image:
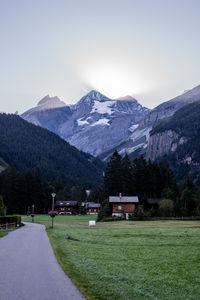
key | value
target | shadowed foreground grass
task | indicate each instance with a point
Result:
(129, 260)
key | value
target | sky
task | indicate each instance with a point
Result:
(149, 49)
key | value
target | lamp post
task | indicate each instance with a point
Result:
(52, 216)
(53, 197)
(32, 214)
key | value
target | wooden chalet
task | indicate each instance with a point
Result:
(122, 206)
(67, 207)
(90, 208)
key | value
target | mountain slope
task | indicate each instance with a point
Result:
(27, 146)
(95, 124)
(3, 165)
(177, 138)
(137, 141)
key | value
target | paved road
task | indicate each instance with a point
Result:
(29, 269)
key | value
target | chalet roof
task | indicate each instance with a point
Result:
(90, 204)
(123, 199)
(153, 200)
(93, 205)
(65, 203)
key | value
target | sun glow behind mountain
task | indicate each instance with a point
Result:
(113, 80)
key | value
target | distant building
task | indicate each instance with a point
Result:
(90, 208)
(66, 207)
(75, 207)
(122, 206)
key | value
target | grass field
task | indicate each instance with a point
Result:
(129, 260)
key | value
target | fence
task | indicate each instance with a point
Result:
(7, 225)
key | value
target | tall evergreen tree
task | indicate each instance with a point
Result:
(113, 175)
(127, 177)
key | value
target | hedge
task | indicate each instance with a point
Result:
(10, 219)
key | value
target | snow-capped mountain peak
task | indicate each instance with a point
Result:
(51, 102)
(95, 124)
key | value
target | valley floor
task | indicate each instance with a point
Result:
(128, 260)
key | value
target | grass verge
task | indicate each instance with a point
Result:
(3, 234)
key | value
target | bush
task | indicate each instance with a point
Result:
(105, 211)
(139, 212)
(151, 213)
(10, 219)
(166, 208)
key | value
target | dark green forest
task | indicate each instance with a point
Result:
(147, 179)
(22, 189)
(26, 146)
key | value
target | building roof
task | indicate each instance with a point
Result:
(92, 205)
(123, 199)
(153, 200)
(65, 203)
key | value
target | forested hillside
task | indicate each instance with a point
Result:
(185, 123)
(27, 146)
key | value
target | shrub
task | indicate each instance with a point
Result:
(105, 211)
(151, 213)
(139, 212)
(10, 219)
(166, 208)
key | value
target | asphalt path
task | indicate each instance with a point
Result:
(29, 269)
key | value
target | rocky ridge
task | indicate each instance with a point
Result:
(137, 141)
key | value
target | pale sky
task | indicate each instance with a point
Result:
(149, 49)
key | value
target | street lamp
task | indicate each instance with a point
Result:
(53, 197)
(32, 214)
(52, 213)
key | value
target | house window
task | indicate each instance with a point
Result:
(119, 207)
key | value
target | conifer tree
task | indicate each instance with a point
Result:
(2, 207)
(113, 175)
(127, 177)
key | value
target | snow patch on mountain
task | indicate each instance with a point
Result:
(133, 127)
(103, 122)
(131, 149)
(82, 122)
(103, 107)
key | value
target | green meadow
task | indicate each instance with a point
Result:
(126, 259)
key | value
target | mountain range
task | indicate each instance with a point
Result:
(96, 124)
(99, 125)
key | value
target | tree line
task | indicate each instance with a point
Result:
(19, 190)
(147, 179)
(139, 177)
